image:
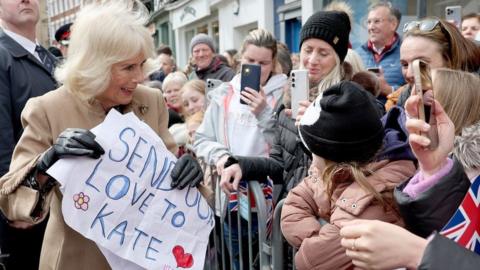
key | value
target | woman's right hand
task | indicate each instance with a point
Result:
(231, 172)
(430, 161)
(71, 142)
(301, 110)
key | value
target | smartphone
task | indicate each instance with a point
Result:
(375, 70)
(212, 84)
(298, 88)
(250, 77)
(454, 14)
(426, 107)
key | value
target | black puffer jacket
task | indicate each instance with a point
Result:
(432, 209)
(288, 163)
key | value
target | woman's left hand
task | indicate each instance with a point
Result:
(430, 161)
(255, 99)
(186, 172)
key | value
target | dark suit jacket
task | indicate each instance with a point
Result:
(22, 76)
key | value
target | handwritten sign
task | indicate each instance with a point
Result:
(123, 200)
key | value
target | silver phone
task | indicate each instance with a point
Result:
(454, 14)
(212, 84)
(299, 87)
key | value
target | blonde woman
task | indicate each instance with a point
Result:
(171, 86)
(322, 51)
(103, 71)
(193, 96)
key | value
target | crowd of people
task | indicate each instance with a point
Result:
(365, 185)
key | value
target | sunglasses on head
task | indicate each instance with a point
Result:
(425, 25)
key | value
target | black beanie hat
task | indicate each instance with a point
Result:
(343, 126)
(332, 27)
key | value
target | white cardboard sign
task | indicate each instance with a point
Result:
(123, 200)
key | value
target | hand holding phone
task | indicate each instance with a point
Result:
(250, 77)
(298, 89)
(424, 89)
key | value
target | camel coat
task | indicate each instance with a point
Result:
(43, 119)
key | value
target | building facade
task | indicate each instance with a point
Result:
(229, 21)
(61, 12)
(175, 22)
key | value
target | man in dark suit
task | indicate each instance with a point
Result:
(26, 70)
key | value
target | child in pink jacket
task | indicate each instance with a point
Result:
(343, 132)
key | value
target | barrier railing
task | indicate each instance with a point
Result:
(255, 249)
(239, 239)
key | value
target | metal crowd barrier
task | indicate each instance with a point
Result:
(255, 253)
(266, 253)
(281, 259)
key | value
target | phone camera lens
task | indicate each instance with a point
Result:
(293, 79)
(293, 84)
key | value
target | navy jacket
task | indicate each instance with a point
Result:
(22, 76)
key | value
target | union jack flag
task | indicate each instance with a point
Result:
(464, 226)
(267, 188)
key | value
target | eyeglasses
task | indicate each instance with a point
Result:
(374, 21)
(425, 25)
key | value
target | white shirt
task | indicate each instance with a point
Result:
(26, 43)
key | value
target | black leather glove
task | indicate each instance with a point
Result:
(186, 172)
(71, 142)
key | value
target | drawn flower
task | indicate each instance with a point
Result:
(81, 201)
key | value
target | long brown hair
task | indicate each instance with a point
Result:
(355, 171)
(457, 51)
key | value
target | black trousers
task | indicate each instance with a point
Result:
(22, 245)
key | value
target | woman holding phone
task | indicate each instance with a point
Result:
(436, 193)
(439, 44)
(232, 128)
(323, 58)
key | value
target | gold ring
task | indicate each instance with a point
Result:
(353, 244)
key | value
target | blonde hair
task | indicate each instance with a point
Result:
(467, 147)
(174, 77)
(197, 85)
(457, 52)
(262, 38)
(354, 59)
(351, 170)
(195, 118)
(459, 95)
(150, 66)
(103, 34)
(333, 77)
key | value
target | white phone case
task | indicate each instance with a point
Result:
(298, 88)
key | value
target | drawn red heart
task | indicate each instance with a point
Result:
(184, 260)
